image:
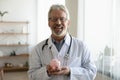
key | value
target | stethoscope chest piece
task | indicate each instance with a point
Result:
(66, 57)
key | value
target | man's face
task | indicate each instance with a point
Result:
(58, 23)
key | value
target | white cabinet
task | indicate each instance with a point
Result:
(14, 37)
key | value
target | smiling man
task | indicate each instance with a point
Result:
(61, 56)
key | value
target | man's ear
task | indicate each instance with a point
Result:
(68, 22)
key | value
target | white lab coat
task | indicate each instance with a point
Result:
(80, 61)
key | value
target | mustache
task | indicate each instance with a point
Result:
(58, 25)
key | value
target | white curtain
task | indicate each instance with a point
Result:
(101, 31)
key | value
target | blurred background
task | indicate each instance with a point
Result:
(97, 22)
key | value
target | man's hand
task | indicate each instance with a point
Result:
(54, 68)
(64, 71)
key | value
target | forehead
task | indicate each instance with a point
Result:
(57, 13)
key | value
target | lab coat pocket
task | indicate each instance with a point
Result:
(74, 61)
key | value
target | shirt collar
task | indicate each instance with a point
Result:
(67, 40)
(53, 40)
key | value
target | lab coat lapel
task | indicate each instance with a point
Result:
(64, 50)
(54, 50)
(65, 46)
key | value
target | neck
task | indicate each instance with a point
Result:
(58, 38)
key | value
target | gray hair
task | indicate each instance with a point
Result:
(59, 7)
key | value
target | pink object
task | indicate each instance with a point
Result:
(55, 64)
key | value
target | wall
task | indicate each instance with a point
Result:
(21, 10)
(26, 10)
(72, 6)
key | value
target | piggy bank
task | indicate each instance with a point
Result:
(55, 64)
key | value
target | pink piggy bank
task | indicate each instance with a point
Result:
(55, 64)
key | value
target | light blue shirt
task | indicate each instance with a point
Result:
(58, 44)
(80, 61)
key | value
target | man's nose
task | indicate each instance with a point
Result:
(58, 21)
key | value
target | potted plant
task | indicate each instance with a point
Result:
(2, 14)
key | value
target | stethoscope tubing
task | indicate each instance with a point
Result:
(68, 52)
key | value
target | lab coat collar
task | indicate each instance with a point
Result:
(67, 39)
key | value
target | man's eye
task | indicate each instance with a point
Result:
(56, 19)
(62, 19)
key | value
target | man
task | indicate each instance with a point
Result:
(61, 56)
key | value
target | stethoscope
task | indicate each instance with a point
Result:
(68, 52)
